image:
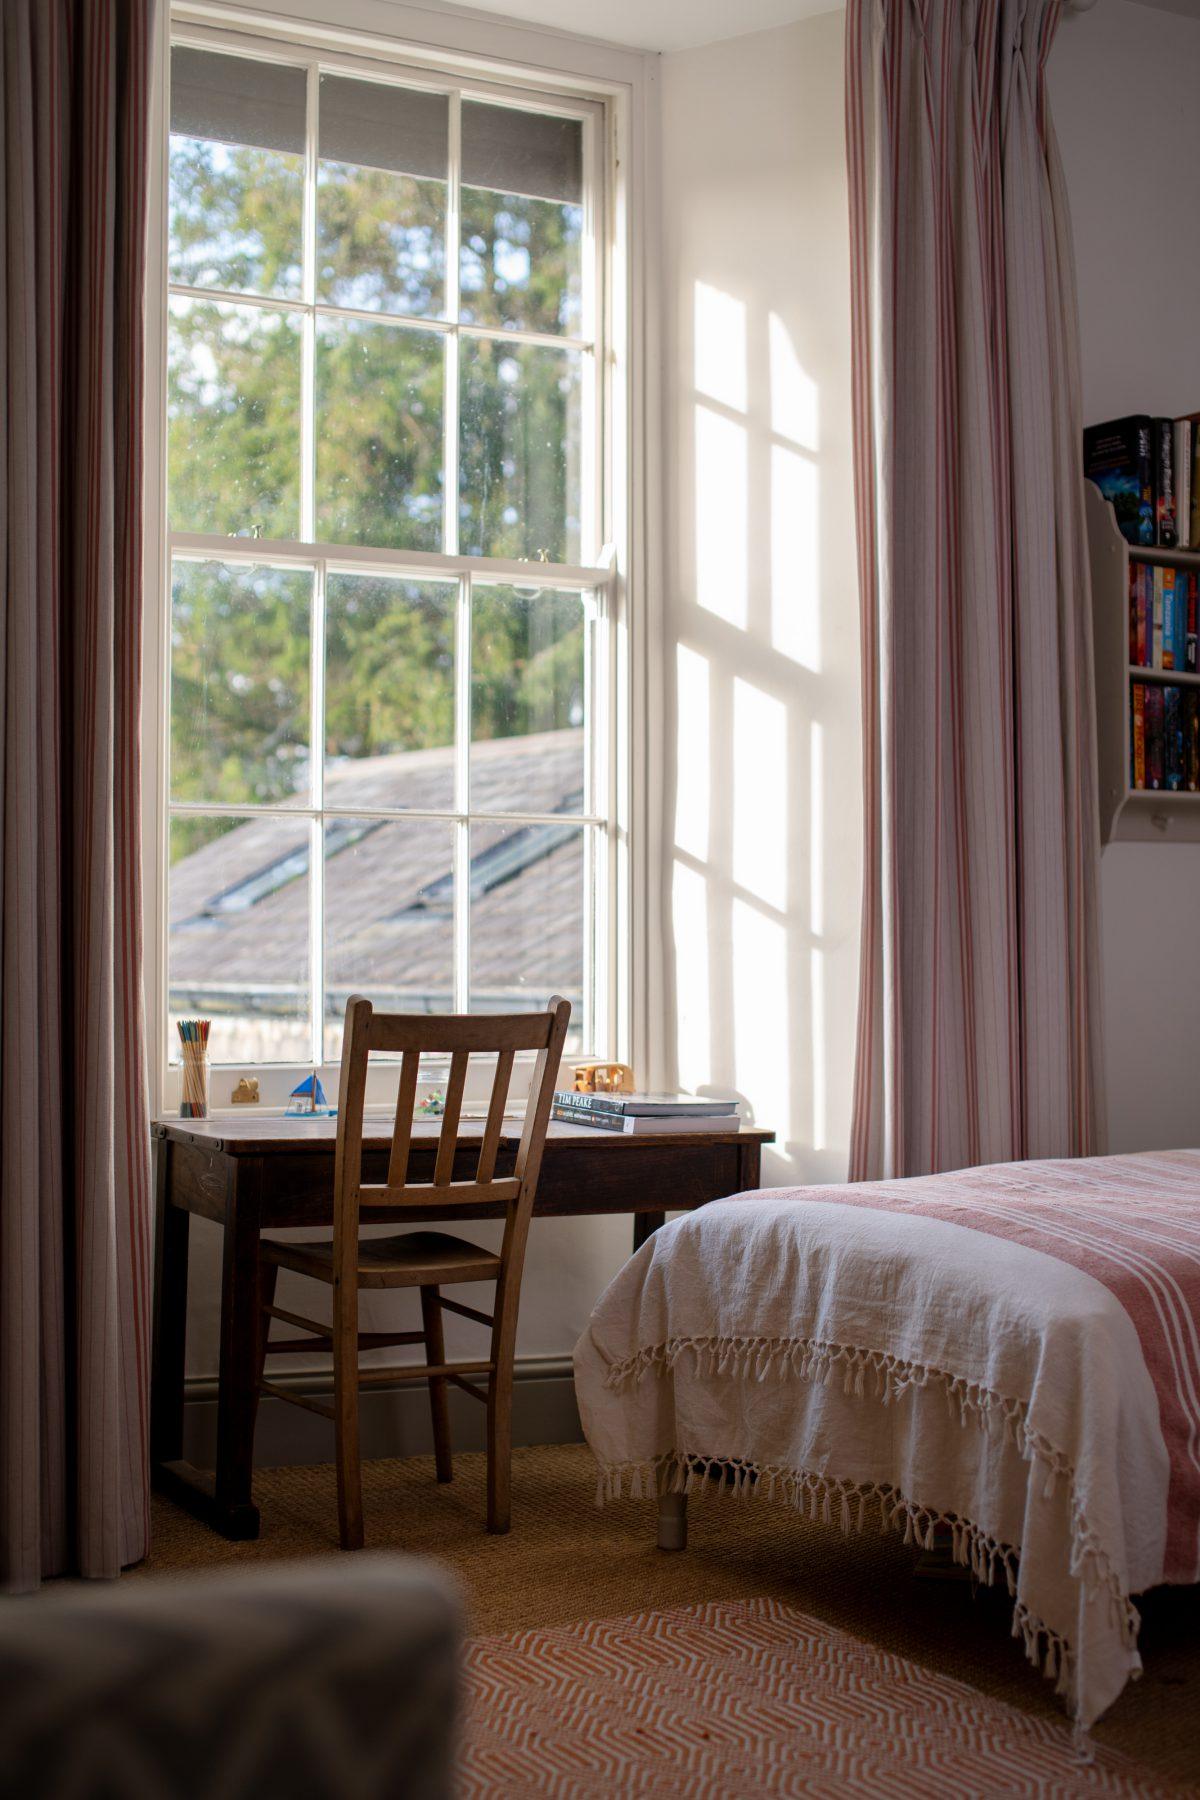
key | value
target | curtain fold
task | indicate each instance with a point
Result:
(74, 1138)
(978, 1028)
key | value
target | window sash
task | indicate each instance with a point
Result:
(597, 823)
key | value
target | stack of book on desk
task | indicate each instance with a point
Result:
(638, 1113)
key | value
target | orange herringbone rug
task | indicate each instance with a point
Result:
(741, 1698)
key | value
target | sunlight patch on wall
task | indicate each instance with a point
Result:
(820, 1050)
(794, 393)
(722, 501)
(795, 557)
(760, 793)
(692, 800)
(762, 1067)
(816, 828)
(720, 346)
(689, 911)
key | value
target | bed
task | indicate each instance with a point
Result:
(1005, 1359)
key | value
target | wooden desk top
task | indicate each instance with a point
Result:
(279, 1134)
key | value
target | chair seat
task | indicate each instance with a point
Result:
(411, 1259)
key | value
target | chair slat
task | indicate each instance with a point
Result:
(443, 1168)
(495, 1117)
(454, 1193)
(402, 1130)
(443, 1033)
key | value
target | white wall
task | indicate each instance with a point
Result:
(763, 817)
(1125, 93)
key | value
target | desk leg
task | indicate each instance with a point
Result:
(171, 1233)
(645, 1224)
(234, 1512)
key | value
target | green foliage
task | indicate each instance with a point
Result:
(240, 639)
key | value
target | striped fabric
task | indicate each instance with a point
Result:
(978, 1032)
(1131, 1222)
(74, 1149)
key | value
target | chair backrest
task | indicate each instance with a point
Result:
(459, 1036)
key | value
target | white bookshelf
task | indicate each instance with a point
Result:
(1128, 814)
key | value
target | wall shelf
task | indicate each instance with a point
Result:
(1128, 814)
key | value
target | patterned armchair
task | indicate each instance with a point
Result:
(307, 1680)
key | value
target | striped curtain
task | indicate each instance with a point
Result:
(978, 1030)
(74, 1168)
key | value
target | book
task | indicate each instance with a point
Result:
(1173, 739)
(1165, 525)
(1191, 740)
(1118, 457)
(1184, 432)
(1137, 773)
(1141, 614)
(1170, 621)
(640, 1125)
(1154, 735)
(647, 1105)
(1156, 629)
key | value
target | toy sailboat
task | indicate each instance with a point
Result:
(308, 1101)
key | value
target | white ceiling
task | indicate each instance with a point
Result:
(657, 24)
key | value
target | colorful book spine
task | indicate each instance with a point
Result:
(1119, 457)
(1154, 735)
(1145, 614)
(1191, 740)
(1137, 773)
(1191, 642)
(1156, 638)
(1164, 484)
(1173, 768)
(1184, 431)
(1170, 621)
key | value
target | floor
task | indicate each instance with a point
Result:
(566, 1560)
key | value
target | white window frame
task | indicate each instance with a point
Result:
(624, 446)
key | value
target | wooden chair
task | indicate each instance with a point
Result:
(422, 1259)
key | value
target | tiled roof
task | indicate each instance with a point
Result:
(239, 906)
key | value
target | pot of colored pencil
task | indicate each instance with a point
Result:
(193, 1035)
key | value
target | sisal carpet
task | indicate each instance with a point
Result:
(566, 1562)
(749, 1697)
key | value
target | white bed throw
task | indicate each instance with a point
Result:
(899, 1368)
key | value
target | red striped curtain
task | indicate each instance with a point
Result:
(74, 1147)
(978, 1031)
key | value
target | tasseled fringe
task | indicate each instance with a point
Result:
(890, 1379)
(822, 1497)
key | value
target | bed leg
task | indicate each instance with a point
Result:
(672, 1521)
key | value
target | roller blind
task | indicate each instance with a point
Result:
(516, 152)
(380, 127)
(236, 100)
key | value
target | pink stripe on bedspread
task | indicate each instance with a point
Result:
(1132, 1222)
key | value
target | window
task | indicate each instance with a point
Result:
(388, 750)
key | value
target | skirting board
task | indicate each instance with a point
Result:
(394, 1421)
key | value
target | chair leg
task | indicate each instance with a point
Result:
(435, 1352)
(499, 1446)
(345, 1405)
(268, 1275)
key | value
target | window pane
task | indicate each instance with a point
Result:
(528, 700)
(381, 201)
(233, 420)
(236, 173)
(239, 683)
(389, 918)
(520, 443)
(238, 939)
(389, 692)
(528, 918)
(379, 435)
(521, 262)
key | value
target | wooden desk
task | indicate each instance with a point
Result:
(260, 1174)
